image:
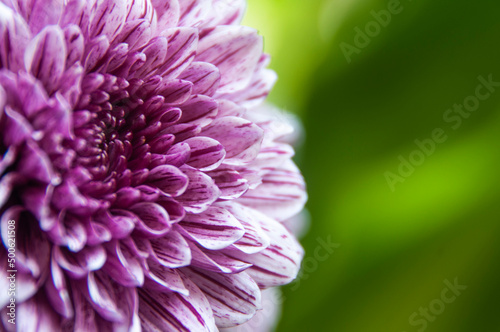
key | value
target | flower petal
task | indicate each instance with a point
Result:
(45, 56)
(205, 77)
(15, 36)
(162, 278)
(172, 311)
(281, 195)
(153, 219)
(234, 298)
(213, 229)
(206, 153)
(122, 265)
(171, 250)
(235, 50)
(279, 263)
(241, 138)
(182, 46)
(200, 193)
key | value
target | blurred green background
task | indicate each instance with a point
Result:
(399, 239)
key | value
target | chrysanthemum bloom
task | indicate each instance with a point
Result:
(147, 191)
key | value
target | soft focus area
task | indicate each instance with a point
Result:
(401, 109)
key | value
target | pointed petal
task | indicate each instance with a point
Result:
(15, 35)
(231, 183)
(255, 239)
(199, 110)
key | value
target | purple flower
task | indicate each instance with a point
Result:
(148, 190)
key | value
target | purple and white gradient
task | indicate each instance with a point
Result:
(150, 191)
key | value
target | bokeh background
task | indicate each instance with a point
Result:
(397, 245)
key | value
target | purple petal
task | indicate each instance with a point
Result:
(234, 298)
(135, 34)
(206, 153)
(105, 296)
(120, 224)
(36, 314)
(161, 278)
(171, 311)
(255, 239)
(57, 291)
(200, 193)
(78, 265)
(213, 229)
(215, 261)
(235, 50)
(241, 138)
(153, 219)
(194, 12)
(171, 250)
(199, 110)
(281, 194)
(279, 263)
(169, 179)
(122, 266)
(205, 77)
(45, 13)
(108, 18)
(156, 53)
(15, 36)
(231, 184)
(227, 12)
(168, 12)
(45, 56)
(74, 44)
(182, 46)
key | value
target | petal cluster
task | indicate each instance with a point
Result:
(149, 190)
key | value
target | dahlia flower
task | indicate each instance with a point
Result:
(149, 190)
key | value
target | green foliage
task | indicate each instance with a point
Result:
(362, 117)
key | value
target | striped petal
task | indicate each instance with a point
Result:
(172, 311)
(213, 229)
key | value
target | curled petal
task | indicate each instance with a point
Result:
(78, 265)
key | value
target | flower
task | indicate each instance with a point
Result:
(147, 189)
